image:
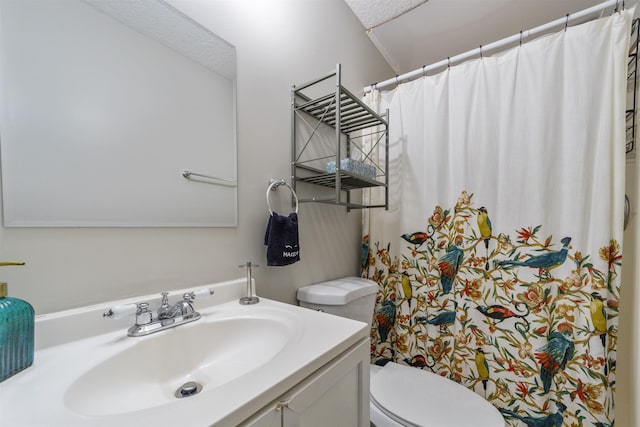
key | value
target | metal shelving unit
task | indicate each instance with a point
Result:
(336, 124)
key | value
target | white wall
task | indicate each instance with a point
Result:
(627, 395)
(627, 370)
(279, 43)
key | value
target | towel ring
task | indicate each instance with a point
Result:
(274, 186)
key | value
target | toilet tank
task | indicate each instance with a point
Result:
(350, 297)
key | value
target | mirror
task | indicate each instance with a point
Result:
(115, 113)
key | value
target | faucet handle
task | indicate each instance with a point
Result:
(165, 299)
(166, 310)
(189, 297)
(202, 293)
(199, 294)
(185, 307)
(120, 311)
(143, 314)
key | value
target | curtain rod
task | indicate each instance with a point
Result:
(500, 43)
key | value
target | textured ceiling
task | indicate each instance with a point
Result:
(161, 22)
(436, 29)
(375, 12)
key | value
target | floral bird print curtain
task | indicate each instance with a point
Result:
(499, 260)
(523, 322)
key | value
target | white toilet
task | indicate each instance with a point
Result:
(401, 395)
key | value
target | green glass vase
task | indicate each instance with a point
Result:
(16, 334)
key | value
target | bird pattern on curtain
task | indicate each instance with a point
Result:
(520, 317)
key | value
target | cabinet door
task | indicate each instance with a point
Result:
(271, 416)
(336, 395)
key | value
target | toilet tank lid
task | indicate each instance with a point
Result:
(338, 291)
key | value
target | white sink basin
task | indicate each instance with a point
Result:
(211, 353)
(88, 373)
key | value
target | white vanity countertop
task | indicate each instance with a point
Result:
(39, 396)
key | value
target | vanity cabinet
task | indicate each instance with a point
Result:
(335, 395)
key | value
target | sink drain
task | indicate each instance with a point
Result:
(188, 389)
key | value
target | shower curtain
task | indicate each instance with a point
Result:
(498, 261)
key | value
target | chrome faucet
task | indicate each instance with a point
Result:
(186, 305)
(167, 315)
(167, 311)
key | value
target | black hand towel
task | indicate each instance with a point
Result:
(281, 239)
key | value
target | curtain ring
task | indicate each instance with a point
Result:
(424, 72)
(566, 24)
(397, 79)
(448, 62)
(480, 51)
(520, 37)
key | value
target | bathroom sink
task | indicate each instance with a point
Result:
(209, 352)
(88, 373)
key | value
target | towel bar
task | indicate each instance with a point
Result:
(214, 179)
(273, 185)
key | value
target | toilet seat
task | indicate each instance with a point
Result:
(379, 417)
(416, 398)
(382, 419)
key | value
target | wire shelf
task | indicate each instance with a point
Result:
(337, 124)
